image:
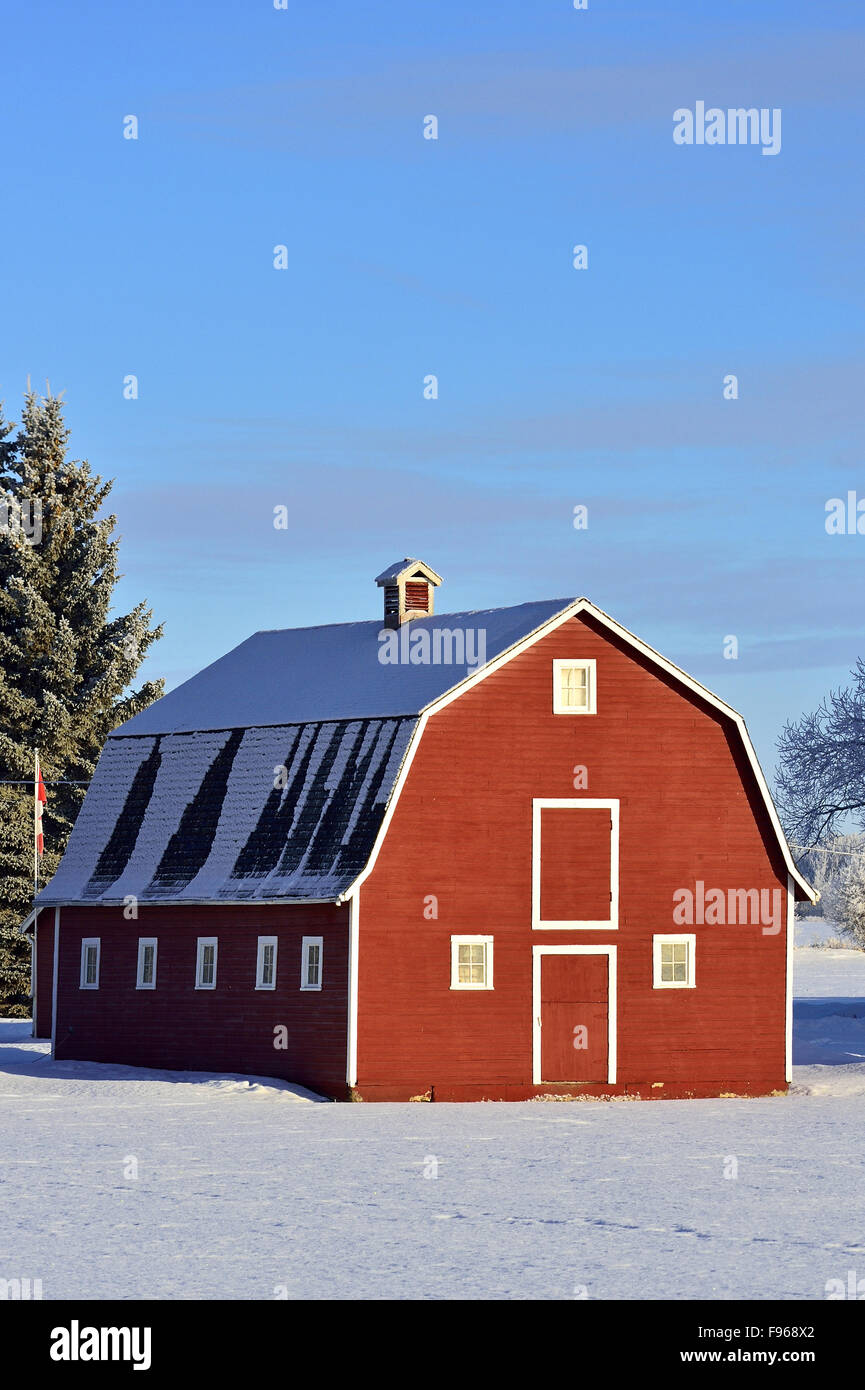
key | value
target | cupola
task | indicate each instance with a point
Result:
(408, 591)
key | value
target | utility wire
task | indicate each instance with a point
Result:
(818, 849)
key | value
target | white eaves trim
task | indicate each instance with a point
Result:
(584, 605)
(29, 921)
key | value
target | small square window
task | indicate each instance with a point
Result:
(311, 962)
(90, 951)
(265, 967)
(146, 978)
(674, 962)
(205, 963)
(574, 686)
(471, 962)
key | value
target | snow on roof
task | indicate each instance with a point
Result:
(310, 674)
(203, 817)
(183, 807)
(400, 567)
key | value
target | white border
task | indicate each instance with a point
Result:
(456, 942)
(542, 803)
(259, 960)
(199, 959)
(87, 941)
(612, 1005)
(591, 665)
(142, 942)
(674, 939)
(353, 945)
(304, 961)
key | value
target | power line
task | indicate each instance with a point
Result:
(49, 782)
(818, 849)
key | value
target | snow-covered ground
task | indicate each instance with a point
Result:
(248, 1188)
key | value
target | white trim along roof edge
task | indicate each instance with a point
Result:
(584, 605)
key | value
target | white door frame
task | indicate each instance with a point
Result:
(537, 953)
(540, 804)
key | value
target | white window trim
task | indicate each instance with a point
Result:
(87, 941)
(543, 803)
(139, 977)
(590, 665)
(304, 961)
(264, 941)
(665, 939)
(456, 942)
(612, 1005)
(199, 960)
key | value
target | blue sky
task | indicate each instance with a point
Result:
(304, 387)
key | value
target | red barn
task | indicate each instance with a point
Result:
(484, 856)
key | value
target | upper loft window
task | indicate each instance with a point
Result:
(575, 686)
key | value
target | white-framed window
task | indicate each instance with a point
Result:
(146, 977)
(575, 686)
(471, 962)
(90, 952)
(674, 962)
(205, 963)
(265, 965)
(311, 960)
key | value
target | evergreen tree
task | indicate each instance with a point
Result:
(65, 666)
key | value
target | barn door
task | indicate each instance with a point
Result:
(575, 864)
(574, 1017)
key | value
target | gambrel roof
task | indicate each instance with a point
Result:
(183, 805)
(188, 803)
(212, 816)
(314, 673)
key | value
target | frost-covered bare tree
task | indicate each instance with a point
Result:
(826, 868)
(821, 766)
(851, 906)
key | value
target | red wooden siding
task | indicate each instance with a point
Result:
(44, 975)
(575, 864)
(689, 809)
(230, 1028)
(574, 1008)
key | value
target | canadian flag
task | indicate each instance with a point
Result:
(39, 800)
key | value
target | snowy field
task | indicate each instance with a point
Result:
(251, 1190)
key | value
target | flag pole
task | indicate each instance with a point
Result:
(35, 824)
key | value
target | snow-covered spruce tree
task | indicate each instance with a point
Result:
(64, 664)
(821, 767)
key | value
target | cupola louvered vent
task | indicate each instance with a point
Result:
(408, 591)
(417, 595)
